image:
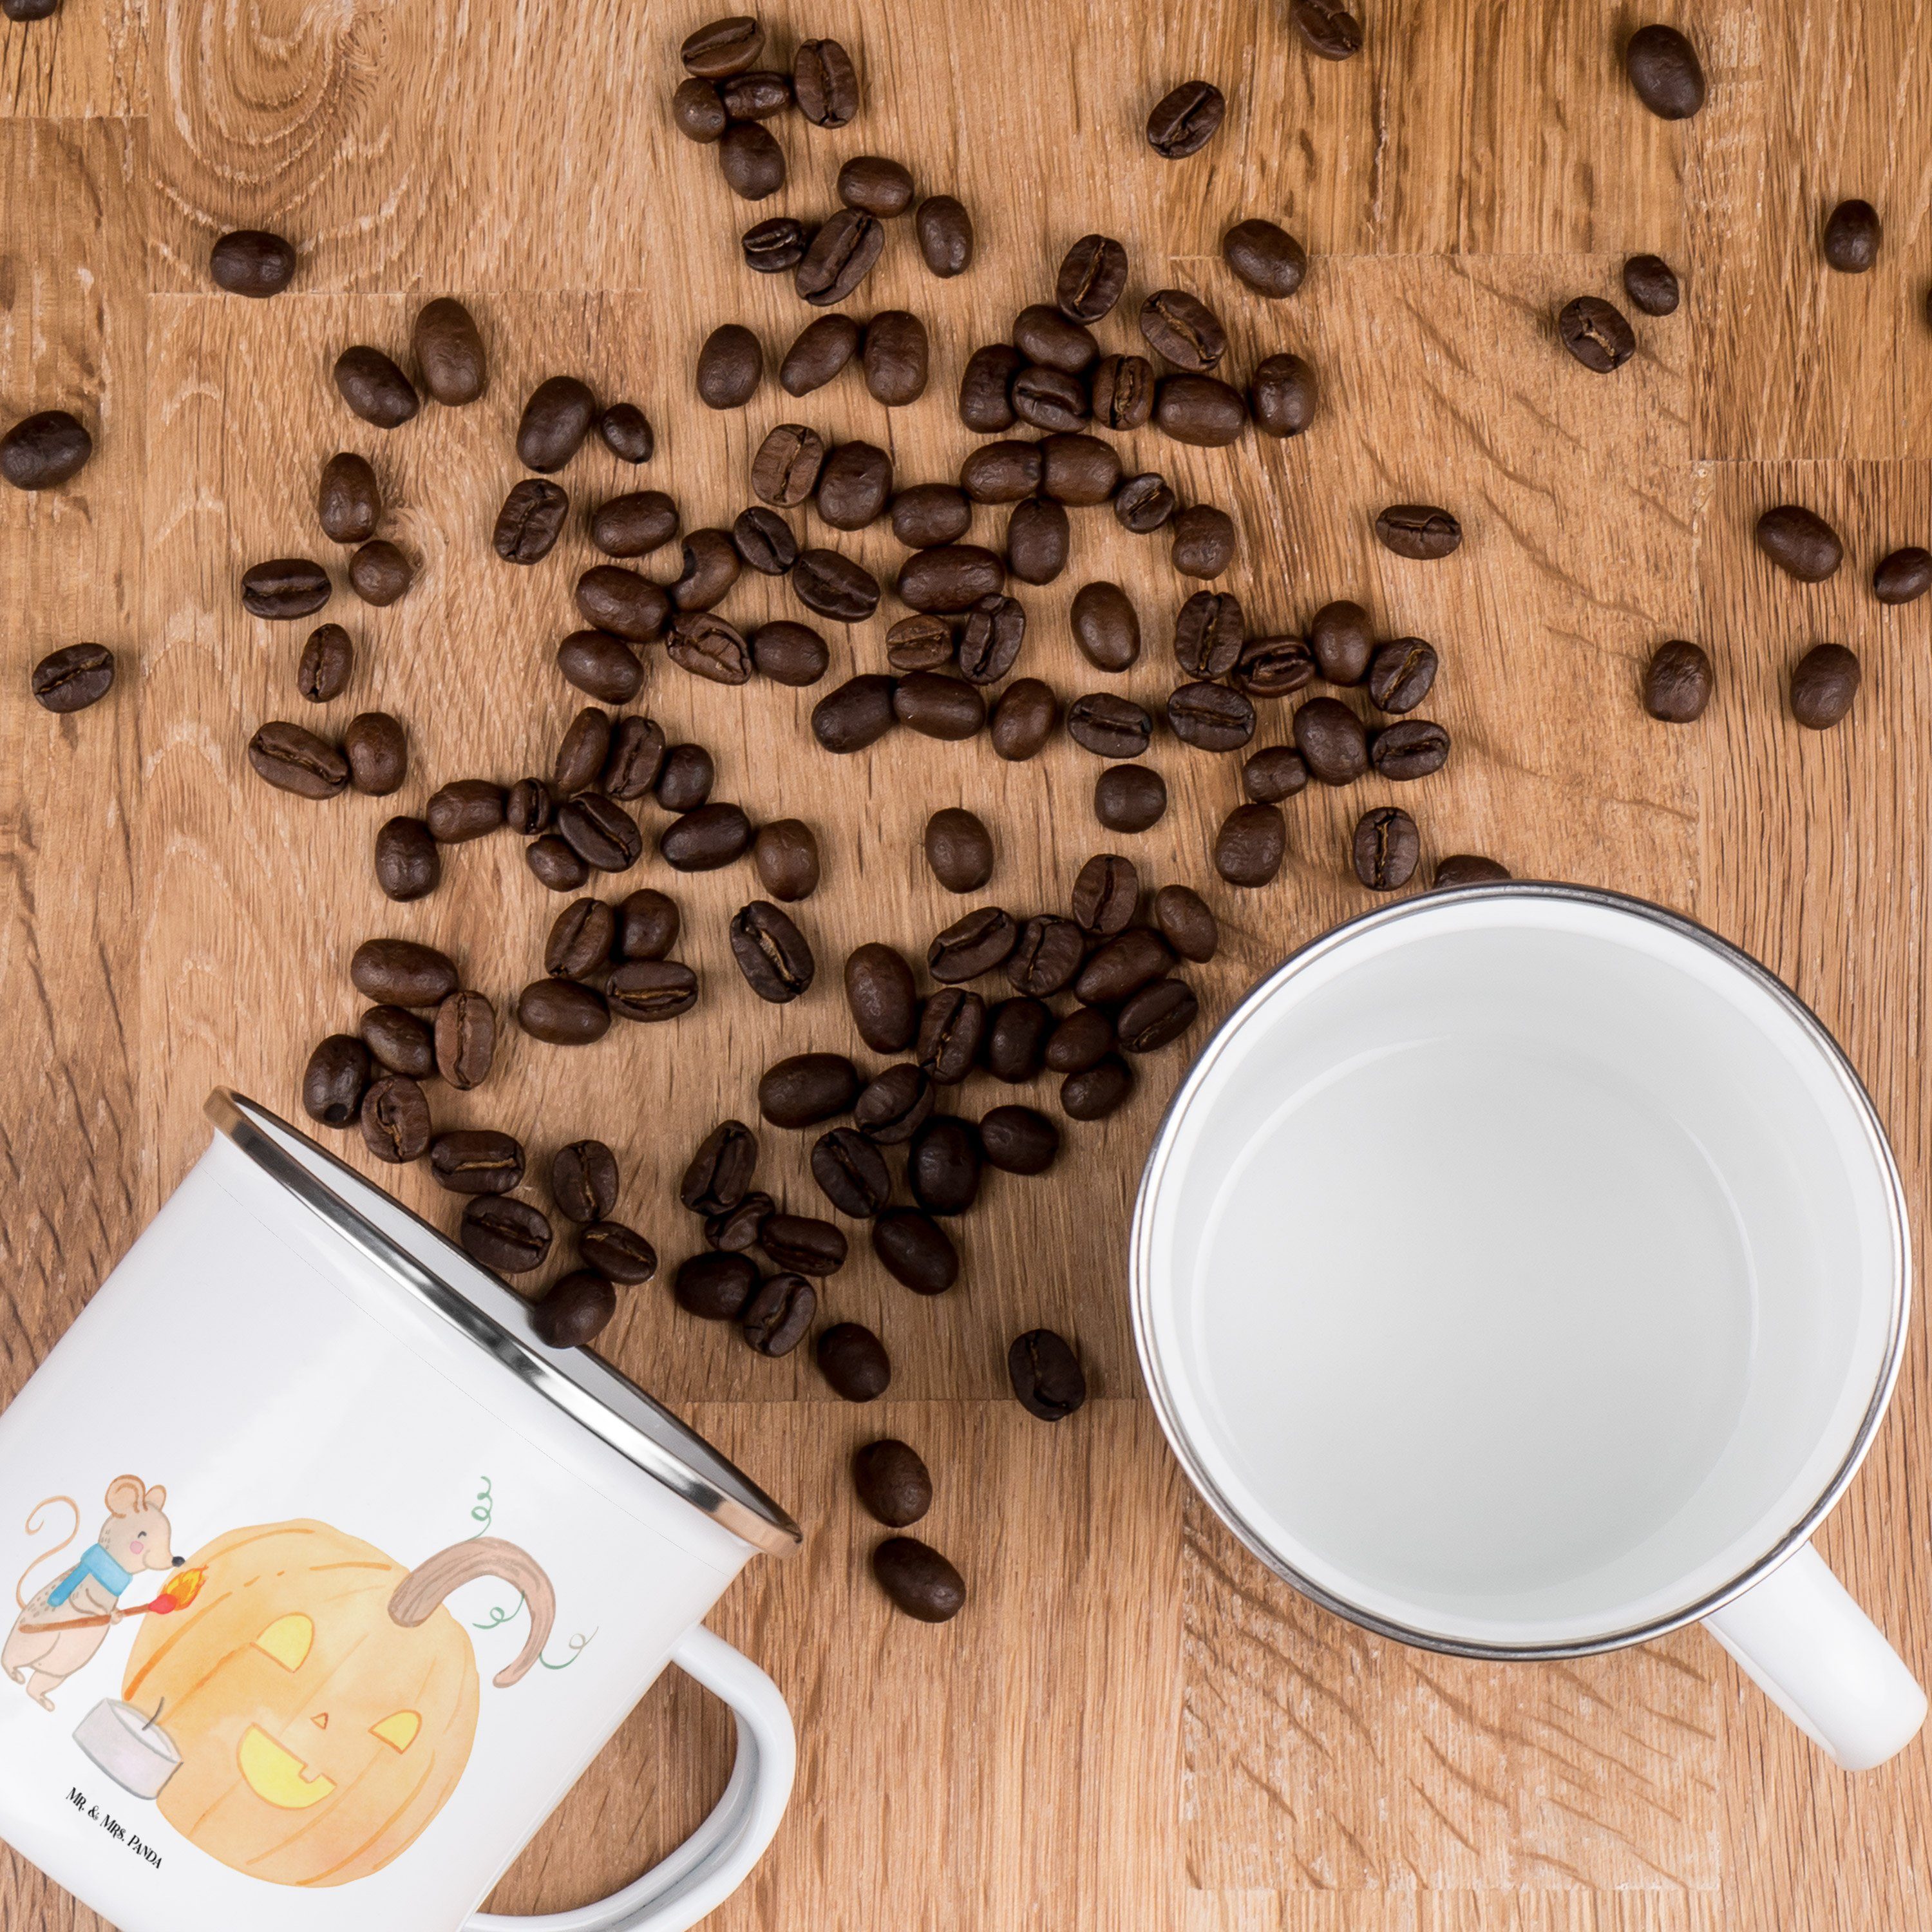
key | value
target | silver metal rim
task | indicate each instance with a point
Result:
(583, 1386)
(1786, 1545)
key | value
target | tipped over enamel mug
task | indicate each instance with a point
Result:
(1522, 1272)
(333, 1578)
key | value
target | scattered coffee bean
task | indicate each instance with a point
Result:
(685, 779)
(252, 262)
(928, 515)
(852, 1172)
(407, 864)
(786, 857)
(1281, 395)
(892, 1483)
(789, 653)
(703, 840)
(1182, 330)
(1098, 1090)
(1596, 333)
(477, 1160)
(752, 163)
(285, 586)
(1045, 336)
(856, 715)
(1650, 283)
(729, 366)
(600, 666)
(1211, 717)
(952, 1026)
(896, 358)
(292, 759)
(800, 1244)
(554, 865)
(720, 1172)
(855, 483)
(879, 990)
(1014, 1043)
(1332, 740)
(74, 677)
(600, 832)
(712, 565)
(530, 521)
(702, 643)
(1002, 471)
(973, 945)
(779, 1315)
(1800, 542)
(1187, 922)
(1200, 410)
(1467, 868)
(715, 1286)
(333, 1081)
(1663, 69)
(1326, 27)
(1184, 121)
(1852, 232)
(399, 1041)
(44, 450)
(377, 750)
(990, 637)
(1204, 542)
(449, 353)
(1082, 1039)
(618, 1253)
(1046, 956)
(916, 1251)
(722, 46)
(1400, 674)
(806, 1088)
(1024, 719)
(1385, 849)
(841, 255)
(1159, 1013)
(918, 1580)
(466, 1040)
(825, 83)
(1267, 258)
(1678, 682)
(945, 232)
(647, 925)
(853, 1360)
(631, 525)
(1823, 683)
(771, 952)
(583, 1181)
(876, 185)
(1046, 1375)
(1106, 893)
(555, 421)
(943, 1165)
(946, 708)
(736, 1229)
(1418, 531)
(1093, 275)
(1272, 667)
(756, 95)
(375, 388)
(510, 1236)
(1120, 393)
(1128, 962)
(563, 1013)
(348, 501)
(581, 939)
(379, 573)
(774, 247)
(650, 990)
(1342, 642)
(1129, 798)
(1050, 399)
(1207, 634)
(1018, 1140)
(1038, 540)
(626, 433)
(891, 1106)
(395, 1119)
(697, 110)
(574, 1310)
(622, 602)
(834, 586)
(1108, 726)
(581, 753)
(1106, 626)
(1902, 576)
(1277, 772)
(1250, 845)
(328, 660)
(985, 402)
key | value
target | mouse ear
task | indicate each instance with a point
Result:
(157, 1497)
(125, 1495)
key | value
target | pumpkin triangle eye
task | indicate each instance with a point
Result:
(320, 1720)
(399, 1730)
(288, 1640)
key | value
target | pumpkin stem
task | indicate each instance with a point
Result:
(425, 1587)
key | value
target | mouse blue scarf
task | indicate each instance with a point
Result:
(102, 1567)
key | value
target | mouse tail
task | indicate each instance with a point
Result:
(36, 1523)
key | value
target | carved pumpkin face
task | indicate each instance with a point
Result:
(323, 1705)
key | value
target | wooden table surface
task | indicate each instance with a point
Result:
(1132, 1723)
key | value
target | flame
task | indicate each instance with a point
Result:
(182, 1589)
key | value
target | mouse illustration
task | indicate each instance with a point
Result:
(62, 1626)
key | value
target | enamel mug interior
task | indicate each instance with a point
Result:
(1520, 1270)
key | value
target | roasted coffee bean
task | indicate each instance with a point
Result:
(1038, 540)
(511, 1236)
(1106, 892)
(730, 364)
(697, 110)
(854, 485)
(1160, 1012)
(1120, 393)
(801, 1245)
(1093, 275)
(1002, 471)
(1281, 395)
(1250, 845)
(250, 261)
(530, 521)
(1045, 336)
(1125, 963)
(896, 358)
(786, 857)
(973, 945)
(1385, 848)
(44, 450)
(333, 1081)
(1204, 541)
(1211, 717)
(1129, 798)
(581, 938)
(1082, 1039)
(892, 1483)
(721, 47)
(555, 421)
(600, 832)
(952, 1025)
(879, 990)
(737, 1229)
(1044, 1370)
(917, 1251)
(583, 1181)
(449, 353)
(465, 808)
(851, 1172)
(1201, 410)
(1272, 667)
(1412, 749)
(1800, 542)
(285, 586)
(647, 925)
(1016, 1040)
(990, 637)
(1596, 334)
(631, 525)
(395, 1119)
(328, 660)
(1108, 726)
(1902, 576)
(1401, 673)
(74, 677)
(720, 1172)
(618, 1253)
(834, 586)
(985, 386)
(755, 96)
(918, 1580)
(399, 1041)
(477, 1160)
(945, 232)
(1047, 955)
(408, 866)
(1342, 642)
(1267, 258)
(789, 653)
(293, 760)
(1418, 531)
(466, 1040)
(379, 573)
(928, 514)
(574, 1310)
(779, 1314)
(1273, 774)
(877, 186)
(1050, 399)
(1184, 121)
(774, 247)
(650, 990)
(1106, 626)
(806, 1088)
(1853, 233)
(771, 952)
(1678, 682)
(622, 602)
(752, 163)
(563, 1012)
(375, 388)
(1187, 922)
(715, 1286)
(921, 644)
(1207, 634)
(1823, 683)
(785, 470)
(581, 753)
(705, 839)
(1018, 1140)
(600, 666)
(554, 865)
(936, 706)
(1332, 740)
(1650, 283)
(841, 255)
(378, 752)
(702, 643)
(1024, 719)
(626, 433)
(348, 501)
(1663, 69)
(1468, 868)
(857, 714)
(824, 83)
(1182, 330)
(943, 1165)
(712, 565)
(853, 1360)
(1097, 1091)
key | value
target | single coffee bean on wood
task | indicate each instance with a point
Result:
(581, 939)
(554, 865)
(943, 1163)
(333, 1081)
(1678, 682)
(1276, 772)
(715, 1286)
(779, 1315)
(703, 840)
(990, 637)
(647, 925)
(574, 1310)
(855, 483)
(73, 678)
(1211, 717)
(1823, 683)
(395, 1119)
(600, 666)
(1251, 844)
(622, 602)
(842, 254)
(1401, 673)
(1125, 963)
(972, 946)
(1098, 1090)
(1853, 233)
(631, 525)
(1106, 626)
(1108, 726)
(884, 1000)
(530, 521)
(1207, 634)
(1904, 576)
(292, 759)
(918, 1580)
(803, 1244)
(1015, 1041)
(1092, 277)
(945, 232)
(43, 451)
(785, 470)
(449, 352)
(1038, 540)
(877, 185)
(1106, 894)
(1050, 399)
(1281, 395)
(374, 388)
(1203, 542)
(1046, 1375)
(466, 1039)
(702, 643)
(1800, 542)
(785, 855)
(917, 1252)
(1200, 410)
(937, 706)
(1187, 922)
(1184, 120)
(723, 47)
(755, 95)
(1129, 798)
(720, 1172)
(825, 83)
(408, 866)
(1046, 336)
(856, 715)
(328, 661)
(1385, 848)
(581, 753)
(984, 404)
(926, 515)
(730, 364)
(684, 778)
(1596, 333)
(712, 565)
(1121, 394)
(1272, 667)
(510, 1236)
(952, 1025)
(465, 808)
(895, 358)
(583, 1181)
(563, 1013)
(477, 1160)
(399, 1041)
(1332, 740)
(892, 1482)
(772, 953)
(774, 247)
(1411, 749)
(618, 1253)
(348, 500)
(752, 162)
(1018, 1140)
(285, 587)
(1181, 329)
(1265, 256)
(1664, 69)
(1468, 868)
(1418, 531)
(626, 433)
(835, 586)
(402, 972)
(251, 261)
(852, 1172)
(853, 1360)
(1082, 1039)
(697, 110)
(736, 1229)
(1326, 27)
(789, 653)
(1047, 955)
(650, 990)
(600, 831)
(1024, 719)
(1343, 641)
(1651, 284)
(805, 1088)
(555, 420)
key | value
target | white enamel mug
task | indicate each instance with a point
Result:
(333, 1578)
(1521, 1272)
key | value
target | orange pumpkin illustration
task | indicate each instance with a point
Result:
(323, 1699)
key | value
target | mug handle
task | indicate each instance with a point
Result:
(716, 1859)
(1822, 1662)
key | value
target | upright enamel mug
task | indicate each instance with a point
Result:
(333, 1578)
(1522, 1272)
